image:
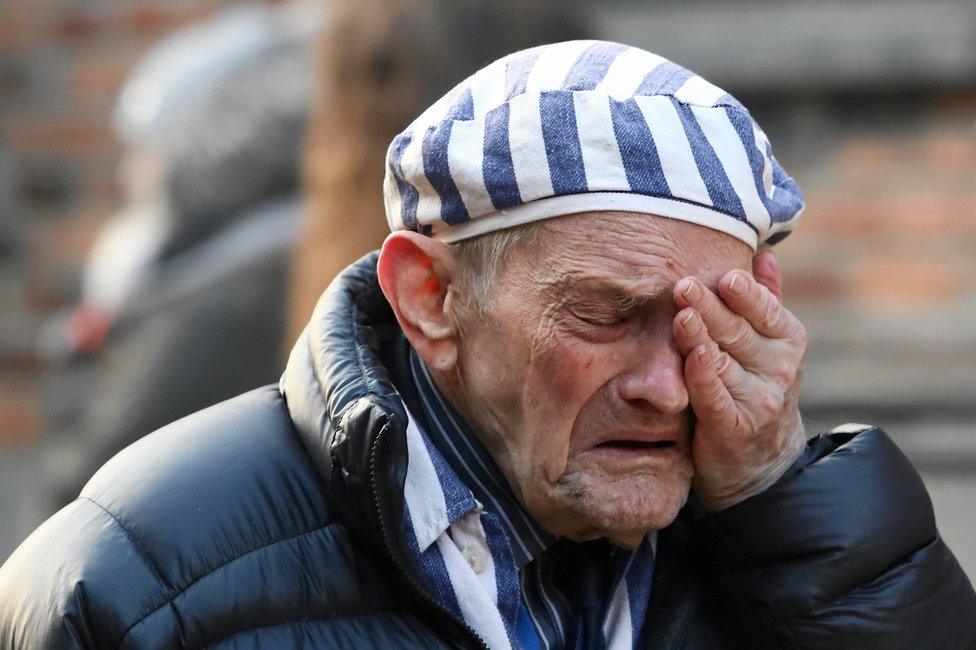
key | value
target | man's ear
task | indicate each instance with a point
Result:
(414, 273)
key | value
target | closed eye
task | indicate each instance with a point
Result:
(606, 313)
(607, 322)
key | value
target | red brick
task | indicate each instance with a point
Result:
(77, 27)
(902, 283)
(812, 285)
(949, 151)
(844, 216)
(958, 105)
(19, 405)
(158, 19)
(153, 19)
(56, 253)
(860, 158)
(102, 77)
(75, 232)
(21, 363)
(13, 33)
(40, 135)
(931, 213)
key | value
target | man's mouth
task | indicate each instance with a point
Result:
(631, 453)
(636, 445)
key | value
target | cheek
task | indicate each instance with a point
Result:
(571, 374)
(562, 377)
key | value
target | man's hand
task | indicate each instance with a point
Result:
(743, 353)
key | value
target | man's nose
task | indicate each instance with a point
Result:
(655, 379)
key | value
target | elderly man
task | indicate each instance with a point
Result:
(488, 434)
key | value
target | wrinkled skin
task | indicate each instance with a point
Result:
(744, 352)
(579, 356)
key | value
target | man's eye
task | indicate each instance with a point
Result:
(607, 323)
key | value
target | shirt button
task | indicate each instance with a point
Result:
(475, 557)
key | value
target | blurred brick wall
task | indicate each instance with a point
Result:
(891, 223)
(61, 65)
(883, 266)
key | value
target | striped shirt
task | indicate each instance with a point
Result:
(489, 563)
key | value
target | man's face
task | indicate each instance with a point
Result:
(573, 380)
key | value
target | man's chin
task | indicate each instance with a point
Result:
(624, 511)
(627, 526)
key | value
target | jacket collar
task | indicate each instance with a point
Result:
(344, 404)
(436, 498)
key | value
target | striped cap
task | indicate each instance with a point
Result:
(581, 126)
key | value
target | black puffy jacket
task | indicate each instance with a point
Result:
(272, 522)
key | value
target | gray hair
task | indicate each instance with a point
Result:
(481, 259)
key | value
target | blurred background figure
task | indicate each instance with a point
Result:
(872, 105)
(183, 294)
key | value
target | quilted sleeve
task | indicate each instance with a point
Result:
(843, 552)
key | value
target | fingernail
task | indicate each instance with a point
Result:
(737, 284)
(688, 321)
(688, 289)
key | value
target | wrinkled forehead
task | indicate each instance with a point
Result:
(633, 250)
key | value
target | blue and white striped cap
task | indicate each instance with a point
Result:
(581, 126)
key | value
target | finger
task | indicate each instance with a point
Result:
(765, 268)
(729, 371)
(689, 331)
(710, 398)
(733, 333)
(758, 306)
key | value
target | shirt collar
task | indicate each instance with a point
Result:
(474, 467)
(434, 496)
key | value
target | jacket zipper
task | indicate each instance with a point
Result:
(390, 550)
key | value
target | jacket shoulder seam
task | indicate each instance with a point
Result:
(181, 590)
(130, 537)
